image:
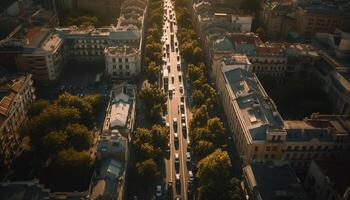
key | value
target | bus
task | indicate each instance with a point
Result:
(165, 80)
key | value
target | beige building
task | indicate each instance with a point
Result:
(259, 131)
(16, 96)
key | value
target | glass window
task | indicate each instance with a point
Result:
(120, 66)
(126, 66)
(120, 60)
(267, 148)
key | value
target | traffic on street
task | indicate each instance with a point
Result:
(179, 176)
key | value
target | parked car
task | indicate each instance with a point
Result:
(158, 191)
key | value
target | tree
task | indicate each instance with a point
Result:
(71, 165)
(198, 97)
(195, 72)
(54, 142)
(85, 108)
(160, 136)
(96, 101)
(217, 130)
(153, 99)
(153, 71)
(79, 137)
(203, 148)
(37, 107)
(148, 171)
(214, 176)
(200, 117)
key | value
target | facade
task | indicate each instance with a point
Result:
(278, 18)
(262, 134)
(319, 18)
(328, 180)
(16, 96)
(272, 180)
(122, 62)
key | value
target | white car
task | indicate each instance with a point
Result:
(190, 175)
(177, 158)
(158, 191)
(188, 157)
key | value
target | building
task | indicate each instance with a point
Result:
(112, 145)
(338, 42)
(121, 110)
(110, 181)
(324, 18)
(278, 18)
(328, 180)
(260, 133)
(33, 47)
(24, 190)
(16, 96)
(272, 180)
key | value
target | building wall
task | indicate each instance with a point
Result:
(123, 66)
(309, 23)
(17, 115)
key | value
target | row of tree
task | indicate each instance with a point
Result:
(153, 47)
(61, 135)
(207, 132)
(149, 146)
(154, 100)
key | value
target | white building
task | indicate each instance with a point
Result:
(122, 62)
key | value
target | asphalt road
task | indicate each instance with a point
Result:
(177, 146)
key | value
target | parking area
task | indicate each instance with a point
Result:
(78, 79)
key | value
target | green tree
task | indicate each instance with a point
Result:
(200, 117)
(203, 148)
(195, 72)
(251, 5)
(198, 97)
(97, 102)
(54, 142)
(153, 99)
(147, 171)
(67, 100)
(153, 71)
(214, 176)
(217, 130)
(160, 136)
(79, 137)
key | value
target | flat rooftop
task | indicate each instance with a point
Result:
(274, 181)
(257, 109)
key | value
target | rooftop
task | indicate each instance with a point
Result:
(23, 190)
(121, 50)
(258, 111)
(274, 181)
(120, 111)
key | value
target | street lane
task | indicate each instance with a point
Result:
(172, 57)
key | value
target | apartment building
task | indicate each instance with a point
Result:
(325, 18)
(260, 133)
(16, 96)
(278, 18)
(122, 62)
(328, 180)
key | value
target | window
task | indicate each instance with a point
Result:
(279, 138)
(120, 66)
(273, 138)
(254, 156)
(272, 156)
(274, 148)
(126, 66)
(114, 67)
(267, 148)
(256, 149)
(127, 73)
(266, 156)
(288, 148)
(126, 60)
(304, 148)
(296, 148)
(311, 148)
(120, 60)
(287, 156)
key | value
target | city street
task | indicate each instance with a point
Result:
(178, 163)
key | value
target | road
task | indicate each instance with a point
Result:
(175, 81)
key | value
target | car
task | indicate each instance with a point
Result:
(180, 77)
(177, 179)
(181, 89)
(182, 106)
(182, 98)
(178, 58)
(178, 67)
(183, 118)
(163, 120)
(184, 126)
(168, 67)
(172, 78)
(158, 191)
(190, 175)
(174, 89)
(174, 121)
(188, 157)
(167, 125)
(188, 146)
(177, 160)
